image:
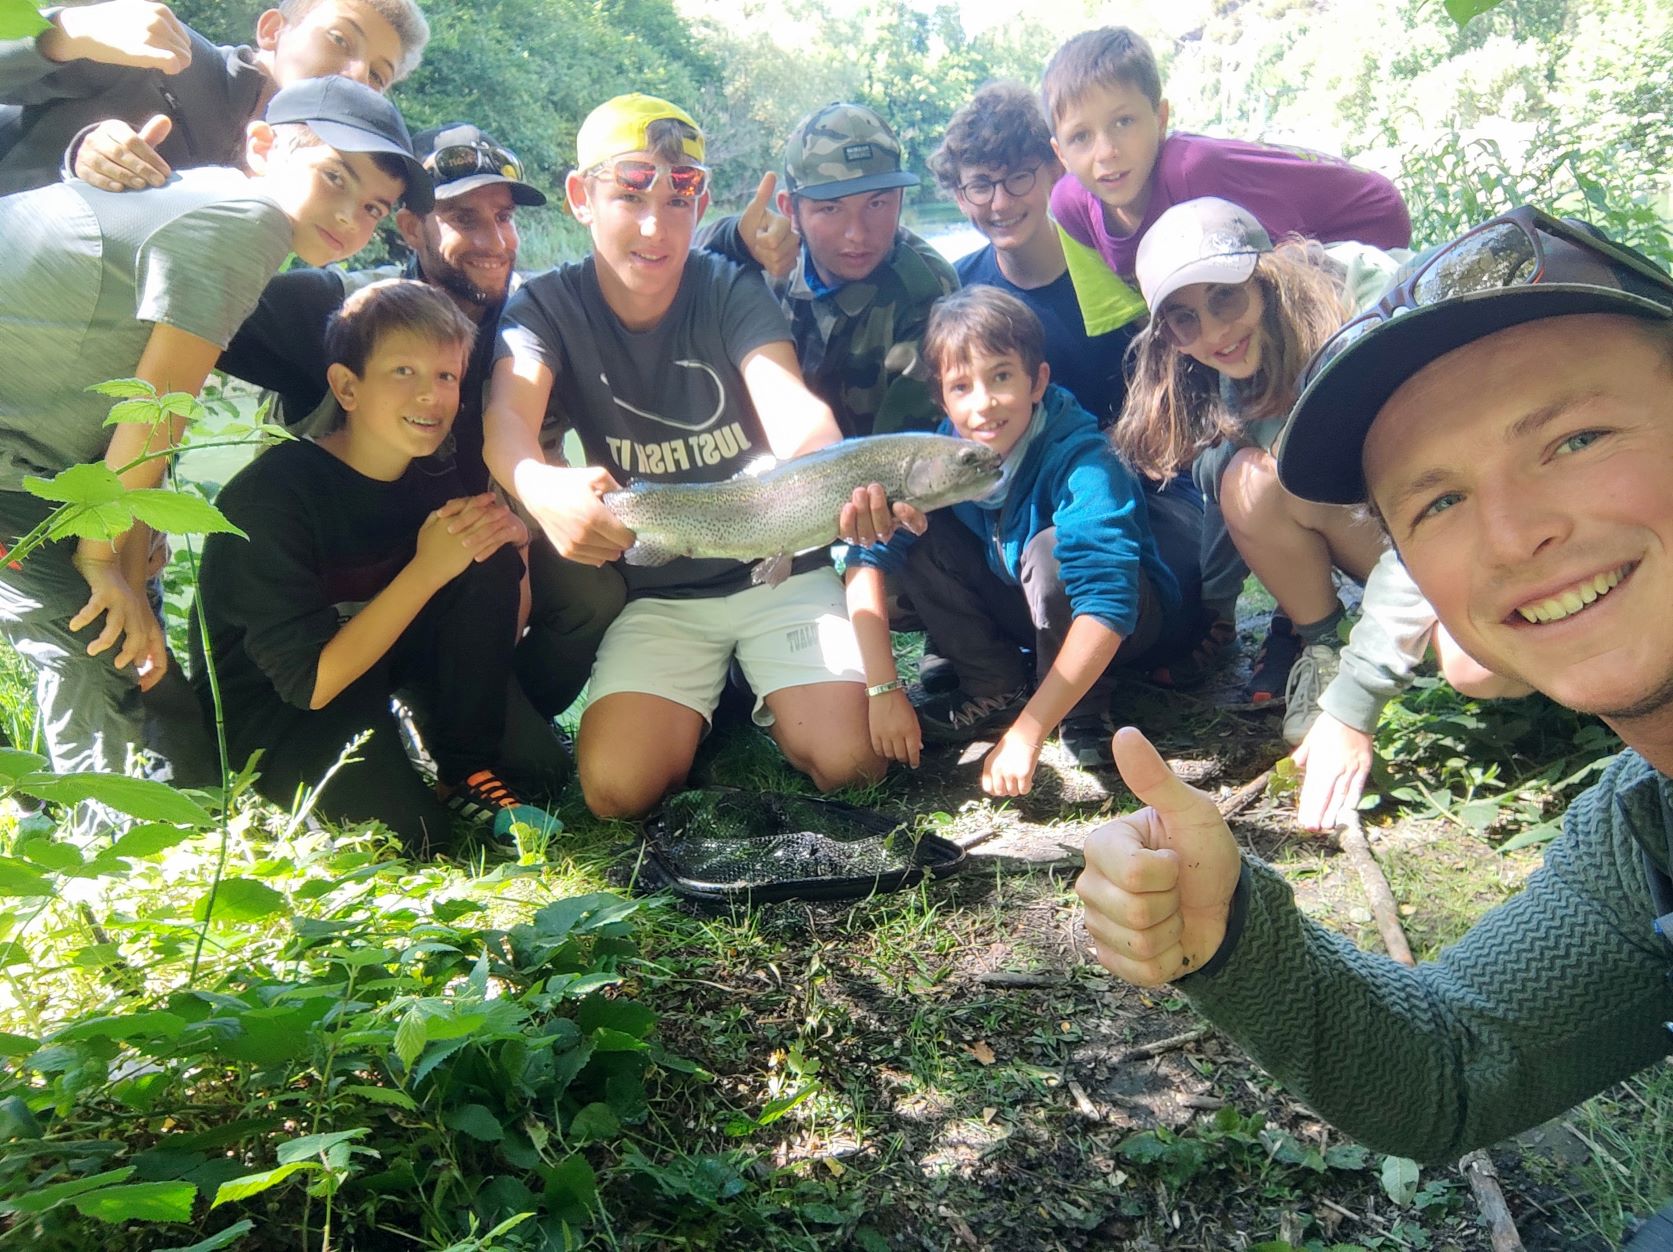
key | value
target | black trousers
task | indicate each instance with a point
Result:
(980, 621)
(453, 665)
(572, 606)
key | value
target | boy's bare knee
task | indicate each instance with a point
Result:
(615, 794)
(1249, 488)
(832, 769)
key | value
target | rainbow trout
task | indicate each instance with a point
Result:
(770, 515)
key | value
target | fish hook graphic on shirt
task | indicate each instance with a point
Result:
(675, 422)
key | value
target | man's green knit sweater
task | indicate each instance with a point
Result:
(1549, 998)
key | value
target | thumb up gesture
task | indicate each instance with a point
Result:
(1158, 883)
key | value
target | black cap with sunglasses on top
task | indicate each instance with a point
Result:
(1520, 267)
(351, 117)
(461, 158)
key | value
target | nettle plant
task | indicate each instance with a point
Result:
(283, 1035)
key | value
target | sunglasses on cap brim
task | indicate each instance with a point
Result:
(1510, 251)
(463, 160)
(629, 174)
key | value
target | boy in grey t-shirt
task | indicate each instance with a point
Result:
(95, 285)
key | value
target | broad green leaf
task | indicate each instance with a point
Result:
(595, 1121)
(138, 411)
(383, 1095)
(137, 797)
(19, 19)
(139, 1201)
(155, 1024)
(241, 900)
(16, 1119)
(231, 1235)
(149, 839)
(1399, 1178)
(179, 513)
(43, 1198)
(178, 403)
(410, 1036)
(476, 1121)
(607, 1040)
(16, 880)
(49, 854)
(16, 1045)
(15, 763)
(242, 1188)
(572, 1188)
(310, 1146)
(627, 1016)
(106, 522)
(122, 388)
(93, 483)
(1461, 11)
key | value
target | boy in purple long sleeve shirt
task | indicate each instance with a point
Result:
(1103, 96)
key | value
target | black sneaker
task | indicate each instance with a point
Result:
(1274, 661)
(485, 798)
(1087, 738)
(958, 717)
(937, 675)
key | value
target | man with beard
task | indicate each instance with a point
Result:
(467, 247)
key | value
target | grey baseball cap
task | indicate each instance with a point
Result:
(1469, 293)
(461, 158)
(1208, 240)
(352, 117)
(843, 150)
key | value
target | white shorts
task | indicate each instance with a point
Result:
(786, 636)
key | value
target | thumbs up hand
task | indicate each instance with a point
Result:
(113, 156)
(1158, 883)
(766, 232)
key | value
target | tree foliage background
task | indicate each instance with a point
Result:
(1560, 101)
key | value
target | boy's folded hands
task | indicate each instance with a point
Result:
(470, 528)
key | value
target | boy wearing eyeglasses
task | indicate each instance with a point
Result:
(124, 92)
(671, 366)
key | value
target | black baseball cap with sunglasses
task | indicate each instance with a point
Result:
(461, 158)
(1522, 266)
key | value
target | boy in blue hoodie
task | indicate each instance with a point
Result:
(1059, 559)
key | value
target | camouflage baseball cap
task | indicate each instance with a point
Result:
(842, 150)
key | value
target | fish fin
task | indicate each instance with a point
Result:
(759, 466)
(772, 571)
(648, 552)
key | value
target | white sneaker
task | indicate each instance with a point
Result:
(1309, 676)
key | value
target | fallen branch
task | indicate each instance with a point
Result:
(1371, 877)
(1145, 1052)
(1490, 1197)
(1019, 980)
(1245, 795)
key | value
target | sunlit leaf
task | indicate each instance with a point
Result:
(149, 839)
(310, 1146)
(244, 1187)
(120, 388)
(140, 1201)
(393, 1096)
(16, 1045)
(140, 411)
(179, 513)
(15, 880)
(40, 1199)
(241, 900)
(137, 797)
(410, 1036)
(94, 483)
(15, 763)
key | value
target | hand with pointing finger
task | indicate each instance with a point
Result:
(766, 232)
(1158, 883)
(113, 156)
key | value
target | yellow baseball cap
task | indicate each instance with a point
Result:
(619, 126)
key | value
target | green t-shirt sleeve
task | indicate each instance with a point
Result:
(203, 272)
(1548, 999)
